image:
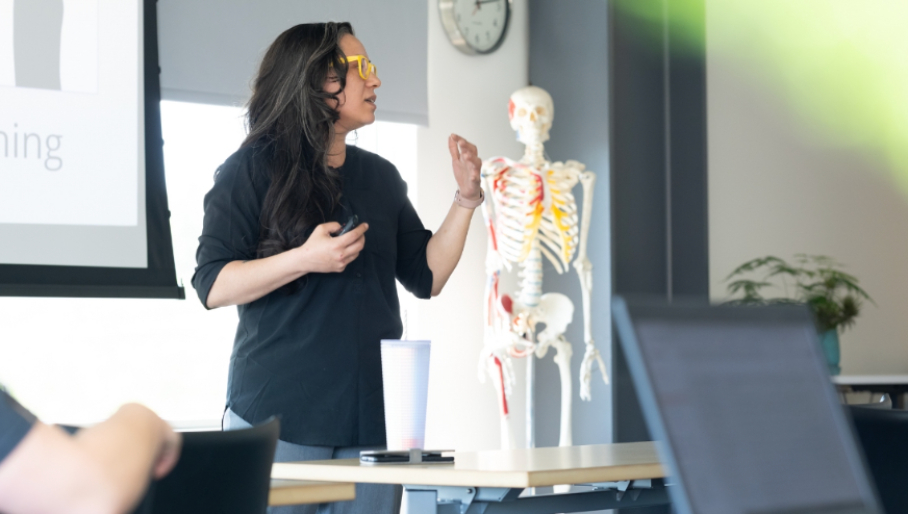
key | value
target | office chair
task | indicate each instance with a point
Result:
(218, 472)
(883, 433)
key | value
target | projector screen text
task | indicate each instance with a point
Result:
(44, 149)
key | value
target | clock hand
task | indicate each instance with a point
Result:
(480, 2)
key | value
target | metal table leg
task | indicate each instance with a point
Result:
(419, 502)
(422, 499)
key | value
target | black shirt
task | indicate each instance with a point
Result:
(310, 353)
(15, 422)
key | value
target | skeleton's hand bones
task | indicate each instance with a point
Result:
(590, 356)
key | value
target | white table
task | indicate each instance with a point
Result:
(610, 476)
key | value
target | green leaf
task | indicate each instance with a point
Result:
(819, 281)
(752, 265)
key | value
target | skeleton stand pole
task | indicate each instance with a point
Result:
(531, 403)
(530, 294)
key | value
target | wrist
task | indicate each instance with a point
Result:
(299, 262)
(469, 203)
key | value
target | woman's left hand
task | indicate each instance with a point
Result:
(467, 166)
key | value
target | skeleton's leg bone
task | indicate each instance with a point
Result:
(507, 428)
(556, 311)
(563, 360)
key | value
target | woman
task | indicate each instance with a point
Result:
(313, 307)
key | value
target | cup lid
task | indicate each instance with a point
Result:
(399, 342)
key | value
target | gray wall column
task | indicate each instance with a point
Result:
(659, 175)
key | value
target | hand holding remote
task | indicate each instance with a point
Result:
(325, 252)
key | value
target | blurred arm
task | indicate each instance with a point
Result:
(103, 469)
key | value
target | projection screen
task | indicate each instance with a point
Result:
(83, 208)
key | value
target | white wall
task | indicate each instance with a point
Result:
(776, 188)
(468, 95)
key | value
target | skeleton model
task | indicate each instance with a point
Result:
(530, 213)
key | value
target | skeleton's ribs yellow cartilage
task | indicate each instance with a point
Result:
(523, 213)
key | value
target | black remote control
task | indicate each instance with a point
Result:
(352, 222)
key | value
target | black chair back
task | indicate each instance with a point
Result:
(220, 472)
(884, 436)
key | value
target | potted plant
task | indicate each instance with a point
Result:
(816, 280)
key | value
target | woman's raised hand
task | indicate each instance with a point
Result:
(322, 253)
(466, 164)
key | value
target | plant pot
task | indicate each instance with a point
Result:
(829, 340)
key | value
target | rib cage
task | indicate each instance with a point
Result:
(532, 206)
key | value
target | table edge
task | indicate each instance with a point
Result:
(460, 478)
(326, 491)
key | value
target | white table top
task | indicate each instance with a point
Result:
(870, 379)
(537, 467)
(297, 492)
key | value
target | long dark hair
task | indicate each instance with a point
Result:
(289, 117)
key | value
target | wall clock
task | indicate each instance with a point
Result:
(475, 27)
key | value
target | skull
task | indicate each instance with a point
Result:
(531, 111)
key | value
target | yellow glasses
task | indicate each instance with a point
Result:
(364, 65)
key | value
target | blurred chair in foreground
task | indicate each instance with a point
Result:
(883, 433)
(220, 472)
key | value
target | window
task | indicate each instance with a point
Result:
(76, 360)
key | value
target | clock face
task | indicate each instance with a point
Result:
(481, 23)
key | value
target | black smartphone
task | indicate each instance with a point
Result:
(398, 457)
(352, 222)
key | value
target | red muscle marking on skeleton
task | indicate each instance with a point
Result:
(539, 187)
(504, 397)
(489, 306)
(491, 228)
(499, 183)
(510, 109)
(492, 300)
(507, 303)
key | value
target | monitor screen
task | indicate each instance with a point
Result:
(744, 402)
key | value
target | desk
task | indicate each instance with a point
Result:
(612, 475)
(895, 385)
(296, 492)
